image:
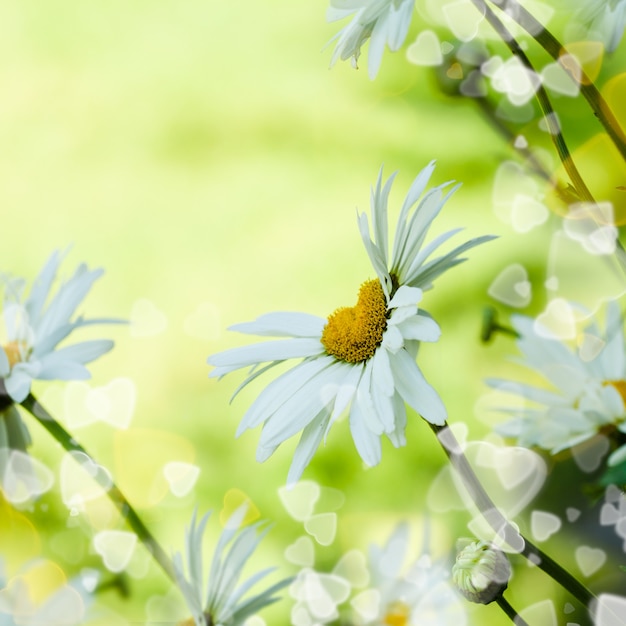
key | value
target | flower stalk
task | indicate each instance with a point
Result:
(501, 525)
(544, 102)
(32, 405)
(553, 47)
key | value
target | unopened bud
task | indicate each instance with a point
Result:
(481, 572)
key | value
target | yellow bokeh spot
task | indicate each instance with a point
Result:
(19, 540)
(140, 456)
(354, 333)
(41, 581)
(233, 499)
(589, 54)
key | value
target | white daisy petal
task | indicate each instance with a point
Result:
(364, 399)
(281, 390)
(347, 390)
(367, 442)
(393, 340)
(283, 325)
(397, 435)
(421, 328)
(375, 255)
(414, 389)
(309, 442)
(406, 296)
(222, 602)
(5, 366)
(244, 356)
(294, 414)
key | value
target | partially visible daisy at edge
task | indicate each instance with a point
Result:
(588, 388)
(221, 601)
(604, 21)
(384, 22)
(421, 595)
(33, 327)
(361, 358)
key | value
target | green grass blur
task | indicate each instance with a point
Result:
(203, 153)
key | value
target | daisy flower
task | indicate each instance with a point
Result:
(588, 387)
(33, 330)
(220, 602)
(384, 21)
(421, 596)
(361, 358)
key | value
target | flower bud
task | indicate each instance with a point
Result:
(481, 572)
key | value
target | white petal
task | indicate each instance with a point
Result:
(397, 436)
(41, 287)
(346, 390)
(18, 385)
(279, 350)
(414, 389)
(420, 327)
(283, 324)
(280, 390)
(83, 352)
(377, 45)
(392, 339)
(399, 24)
(382, 378)
(301, 408)
(367, 443)
(375, 255)
(364, 399)
(406, 296)
(308, 444)
(5, 367)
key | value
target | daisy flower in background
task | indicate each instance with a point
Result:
(588, 387)
(33, 328)
(605, 21)
(361, 358)
(382, 21)
(420, 596)
(220, 602)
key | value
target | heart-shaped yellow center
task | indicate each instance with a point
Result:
(353, 333)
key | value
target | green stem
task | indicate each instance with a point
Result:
(510, 611)
(554, 48)
(115, 495)
(533, 163)
(549, 115)
(500, 524)
(544, 102)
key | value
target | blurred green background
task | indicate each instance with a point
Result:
(204, 154)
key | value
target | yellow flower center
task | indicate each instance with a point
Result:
(353, 333)
(397, 614)
(620, 385)
(14, 351)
